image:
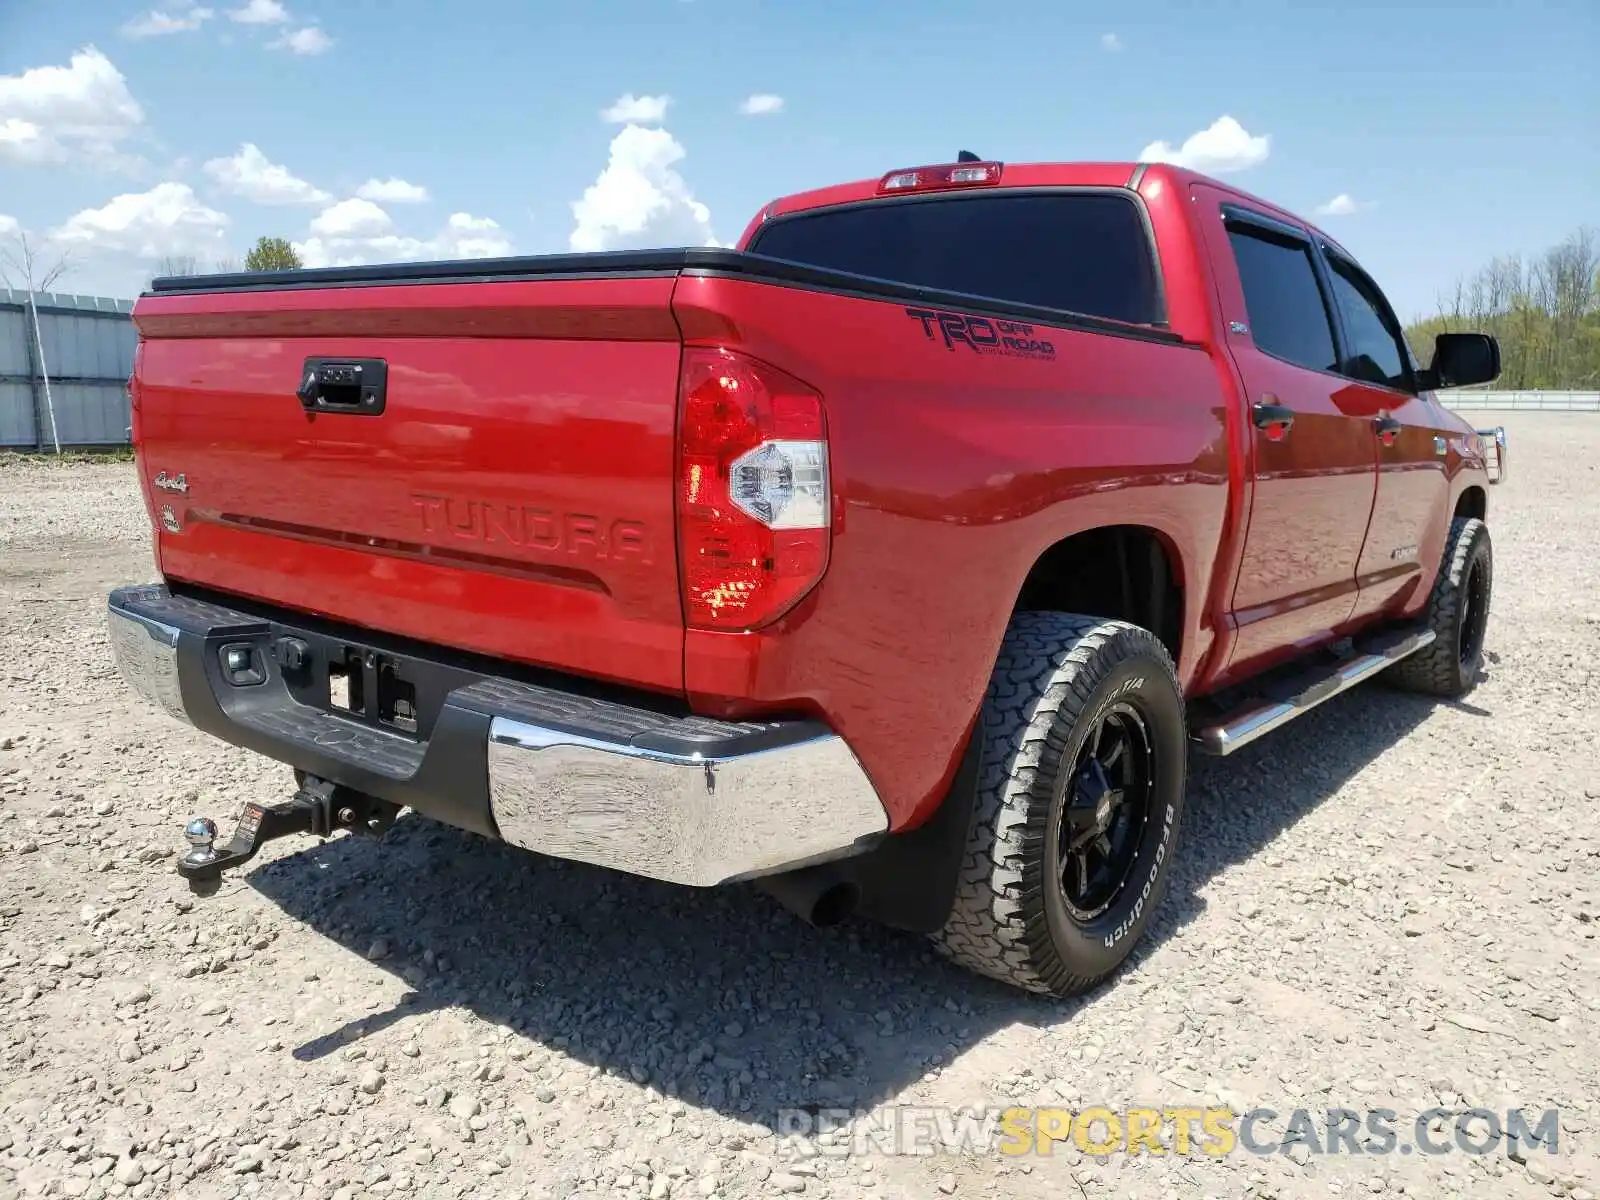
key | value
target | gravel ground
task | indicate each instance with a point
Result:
(1391, 904)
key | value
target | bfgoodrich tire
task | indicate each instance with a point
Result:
(1079, 796)
(1458, 614)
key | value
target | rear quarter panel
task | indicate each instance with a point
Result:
(954, 468)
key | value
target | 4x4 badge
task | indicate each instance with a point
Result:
(168, 483)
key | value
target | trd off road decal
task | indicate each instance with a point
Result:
(982, 335)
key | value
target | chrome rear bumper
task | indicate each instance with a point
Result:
(146, 651)
(699, 817)
(674, 797)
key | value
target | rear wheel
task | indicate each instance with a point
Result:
(1458, 614)
(1079, 797)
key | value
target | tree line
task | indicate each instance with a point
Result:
(268, 254)
(1544, 310)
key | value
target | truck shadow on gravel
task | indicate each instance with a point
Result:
(723, 997)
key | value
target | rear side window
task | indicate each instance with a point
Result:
(1288, 318)
(1079, 253)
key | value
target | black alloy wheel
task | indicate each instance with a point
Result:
(1106, 811)
(1475, 618)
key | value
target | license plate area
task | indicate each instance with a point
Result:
(387, 691)
(370, 686)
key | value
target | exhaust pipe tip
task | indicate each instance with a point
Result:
(816, 895)
(835, 905)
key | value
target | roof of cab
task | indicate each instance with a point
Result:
(1031, 174)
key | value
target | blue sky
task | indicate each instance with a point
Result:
(1454, 133)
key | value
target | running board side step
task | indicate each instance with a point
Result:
(1261, 716)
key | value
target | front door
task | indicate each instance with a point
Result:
(1411, 517)
(1314, 460)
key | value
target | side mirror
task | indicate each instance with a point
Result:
(1462, 359)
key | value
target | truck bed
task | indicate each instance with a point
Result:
(514, 494)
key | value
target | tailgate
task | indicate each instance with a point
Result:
(511, 495)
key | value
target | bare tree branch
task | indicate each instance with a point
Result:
(53, 274)
(174, 264)
(36, 278)
(22, 255)
(178, 264)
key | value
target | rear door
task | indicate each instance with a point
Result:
(1313, 456)
(1412, 514)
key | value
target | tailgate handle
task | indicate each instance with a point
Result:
(344, 385)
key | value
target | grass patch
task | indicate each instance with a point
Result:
(18, 459)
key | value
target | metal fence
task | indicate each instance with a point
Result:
(1525, 401)
(87, 345)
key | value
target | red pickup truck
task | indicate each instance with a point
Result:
(894, 560)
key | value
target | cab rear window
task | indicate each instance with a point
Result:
(1083, 253)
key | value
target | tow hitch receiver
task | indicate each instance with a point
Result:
(319, 807)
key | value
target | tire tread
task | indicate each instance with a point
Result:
(1046, 674)
(1435, 670)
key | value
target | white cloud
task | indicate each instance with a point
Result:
(648, 109)
(761, 104)
(353, 218)
(464, 236)
(1343, 205)
(249, 174)
(317, 251)
(19, 135)
(467, 236)
(8, 226)
(168, 219)
(158, 22)
(82, 110)
(260, 12)
(1111, 42)
(392, 191)
(1223, 147)
(310, 40)
(640, 199)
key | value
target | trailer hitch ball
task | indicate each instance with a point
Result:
(201, 834)
(319, 807)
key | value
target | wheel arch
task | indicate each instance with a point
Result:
(1132, 572)
(1473, 502)
(909, 880)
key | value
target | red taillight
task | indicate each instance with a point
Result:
(753, 490)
